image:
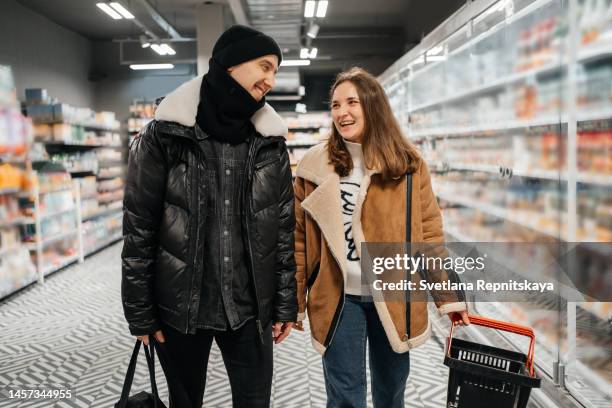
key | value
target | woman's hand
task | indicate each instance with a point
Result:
(461, 317)
(281, 330)
(159, 336)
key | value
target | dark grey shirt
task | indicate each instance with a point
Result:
(227, 298)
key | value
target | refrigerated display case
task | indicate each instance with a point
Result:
(510, 103)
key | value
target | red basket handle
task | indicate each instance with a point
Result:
(498, 325)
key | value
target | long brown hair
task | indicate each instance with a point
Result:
(384, 145)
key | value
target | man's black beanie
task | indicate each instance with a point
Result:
(239, 44)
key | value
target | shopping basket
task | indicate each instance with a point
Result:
(484, 376)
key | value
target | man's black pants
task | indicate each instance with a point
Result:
(248, 362)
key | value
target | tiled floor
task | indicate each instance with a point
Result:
(70, 334)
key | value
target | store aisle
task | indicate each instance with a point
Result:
(70, 334)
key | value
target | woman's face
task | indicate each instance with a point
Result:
(347, 113)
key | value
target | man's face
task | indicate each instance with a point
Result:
(257, 76)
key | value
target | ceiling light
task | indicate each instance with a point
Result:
(295, 63)
(159, 49)
(435, 50)
(144, 41)
(313, 31)
(322, 9)
(108, 10)
(122, 10)
(313, 53)
(168, 49)
(138, 67)
(304, 53)
(309, 9)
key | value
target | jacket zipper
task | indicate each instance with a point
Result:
(337, 320)
(195, 204)
(247, 208)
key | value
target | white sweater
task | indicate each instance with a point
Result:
(349, 190)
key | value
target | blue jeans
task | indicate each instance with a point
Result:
(344, 362)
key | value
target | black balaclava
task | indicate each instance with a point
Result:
(225, 107)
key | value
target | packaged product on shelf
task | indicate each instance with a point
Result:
(108, 155)
(65, 133)
(8, 97)
(64, 113)
(56, 201)
(89, 186)
(77, 162)
(106, 197)
(109, 172)
(110, 185)
(9, 208)
(41, 114)
(64, 223)
(16, 271)
(89, 207)
(593, 20)
(142, 109)
(49, 182)
(56, 255)
(11, 177)
(37, 96)
(10, 239)
(15, 133)
(101, 231)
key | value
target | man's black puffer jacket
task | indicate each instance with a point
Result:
(164, 223)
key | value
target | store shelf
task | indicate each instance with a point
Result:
(84, 171)
(6, 251)
(110, 163)
(302, 144)
(26, 194)
(61, 263)
(458, 235)
(528, 219)
(30, 220)
(587, 55)
(109, 177)
(55, 213)
(111, 202)
(106, 190)
(79, 145)
(9, 191)
(89, 197)
(54, 238)
(510, 125)
(12, 159)
(90, 126)
(553, 175)
(22, 285)
(102, 213)
(112, 239)
(306, 128)
(13, 222)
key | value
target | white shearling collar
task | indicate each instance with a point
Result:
(181, 106)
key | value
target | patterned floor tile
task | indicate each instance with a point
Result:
(70, 332)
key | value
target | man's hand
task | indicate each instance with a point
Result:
(159, 336)
(280, 331)
(461, 317)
